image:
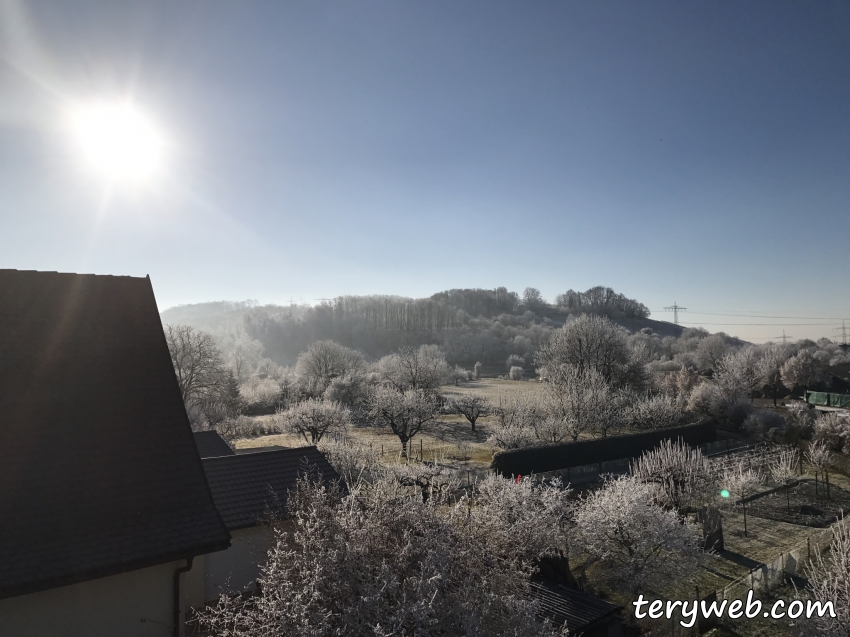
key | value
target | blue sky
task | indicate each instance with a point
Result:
(695, 152)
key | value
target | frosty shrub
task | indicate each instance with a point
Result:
(312, 419)
(680, 477)
(706, 398)
(833, 430)
(515, 360)
(761, 421)
(801, 421)
(829, 580)
(516, 373)
(379, 563)
(654, 412)
(636, 542)
(737, 412)
(356, 463)
(349, 390)
(263, 392)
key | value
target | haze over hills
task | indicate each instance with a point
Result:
(469, 324)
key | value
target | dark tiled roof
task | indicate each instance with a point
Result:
(577, 609)
(211, 445)
(247, 487)
(99, 473)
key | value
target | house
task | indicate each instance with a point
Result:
(104, 501)
(583, 613)
(211, 445)
(249, 490)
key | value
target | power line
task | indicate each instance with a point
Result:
(810, 318)
(761, 324)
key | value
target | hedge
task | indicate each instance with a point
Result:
(584, 452)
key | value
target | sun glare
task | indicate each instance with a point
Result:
(118, 141)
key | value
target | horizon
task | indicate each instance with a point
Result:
(682, 154)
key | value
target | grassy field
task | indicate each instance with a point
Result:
(451, 439)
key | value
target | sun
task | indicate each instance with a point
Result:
(118, 141)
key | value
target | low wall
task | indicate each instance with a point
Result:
(546, 458)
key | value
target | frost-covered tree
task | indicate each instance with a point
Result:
(323, 362)
(312, 419)
(587, 343)
(770, 370)
(635, 541)
(406, 413)
(711, 350)
(423, 369)
(738, 373)
(532, 299)
(381, 563)
(580, 402)
(470, 406)
(351, 390)
(504, 510)
(803, 370)
(516, 373)
(514, 418)
(833, 429)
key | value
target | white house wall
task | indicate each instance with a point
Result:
(134, 604)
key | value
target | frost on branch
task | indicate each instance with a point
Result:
(380, 562)
(635, 541)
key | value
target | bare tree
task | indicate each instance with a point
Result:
(783, 469)
(532, 299)
(424, 368)
(201, 373)
(312, 419)
(470, 406)
(406, 413)
(635, 541)
(741, 481)
(324, 361)
(820, 457)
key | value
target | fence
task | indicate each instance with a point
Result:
(776, 571)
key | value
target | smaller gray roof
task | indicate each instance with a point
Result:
(248, 488)
(579, 610)
(211, 445)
